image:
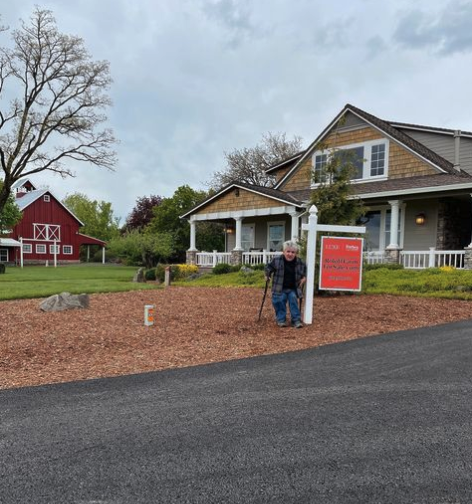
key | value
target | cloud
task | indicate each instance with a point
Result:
(445, 32)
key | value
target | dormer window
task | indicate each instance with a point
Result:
(369, 159)
(47, 198)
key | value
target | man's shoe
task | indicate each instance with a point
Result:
(298, 324)
(282, 324)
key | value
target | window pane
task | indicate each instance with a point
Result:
(355, 157)
(377, 162)
(373, 231)
(276, 237)
(247, 237)
(320, 163)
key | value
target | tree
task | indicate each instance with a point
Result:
(60, 98)
(143, 212)
(10, 215)
(97, 216)
(142, 248)
(167, 220)
(249, 165)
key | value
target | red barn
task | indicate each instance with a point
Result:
(49, 231)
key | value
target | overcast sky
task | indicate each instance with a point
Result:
(194, 79)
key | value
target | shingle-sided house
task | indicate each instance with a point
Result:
(48, 231)
(415, 180)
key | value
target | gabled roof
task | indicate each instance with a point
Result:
(31, 196)
(286, 162)
(281, 196)
(387, 128)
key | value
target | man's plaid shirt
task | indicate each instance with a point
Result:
(276, 267)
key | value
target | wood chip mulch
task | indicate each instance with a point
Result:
(192, 326)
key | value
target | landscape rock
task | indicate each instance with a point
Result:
(139, 276)
(64, 301)
(246, 270)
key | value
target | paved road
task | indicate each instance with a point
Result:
(380, 420)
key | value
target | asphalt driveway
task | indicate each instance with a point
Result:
(386, 419)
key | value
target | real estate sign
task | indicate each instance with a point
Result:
(341, 263)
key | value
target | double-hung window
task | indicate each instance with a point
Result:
(368, 159)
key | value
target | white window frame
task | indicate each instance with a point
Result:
(383, 224)
(246, 225)
(27, 248)
(51, 249)
(48, 232)
(47, 198)
(41, 248)
(3, 255)
(367, 164)
(275, 223)
(67, 249)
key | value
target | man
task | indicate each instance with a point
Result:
(289, 276)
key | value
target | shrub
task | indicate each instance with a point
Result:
(2, 268)
(150, 274)
(222, 268)
(185, 270)
(177, 271)
(387, 266)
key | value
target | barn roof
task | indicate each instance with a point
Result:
(31, 196)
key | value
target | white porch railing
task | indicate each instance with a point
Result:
(410, 259)
(253, 258)
(374, 257)
(211, 259)
(432, 258)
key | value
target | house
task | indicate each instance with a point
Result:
(415, 180)
(47, 233)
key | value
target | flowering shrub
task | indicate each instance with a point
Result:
(447, 269)
(177, 271)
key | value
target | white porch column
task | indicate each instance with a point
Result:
(239, 229)
(394, 219)
(192, 235)
(295, 221)
(470, 245)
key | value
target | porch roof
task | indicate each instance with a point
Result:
(9, 242)
(282, 196)
(441, 182)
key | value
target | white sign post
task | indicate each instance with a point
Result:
(313, 227)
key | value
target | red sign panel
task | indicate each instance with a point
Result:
(341, 263)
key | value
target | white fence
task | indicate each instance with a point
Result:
(211, 259)
(374, 257)
(432, 259)
(411, 259)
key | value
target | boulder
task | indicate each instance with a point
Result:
(64, 301)
(139, 276)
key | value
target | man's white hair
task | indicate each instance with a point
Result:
(290, 244)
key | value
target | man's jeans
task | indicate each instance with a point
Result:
(279, 302)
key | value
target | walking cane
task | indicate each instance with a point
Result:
(300, 301)
(263, 299)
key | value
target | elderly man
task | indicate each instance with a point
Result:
(289, 275)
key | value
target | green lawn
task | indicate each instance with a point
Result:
(41, 281)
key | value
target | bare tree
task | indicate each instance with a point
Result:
(59, 95)
(249, 165)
